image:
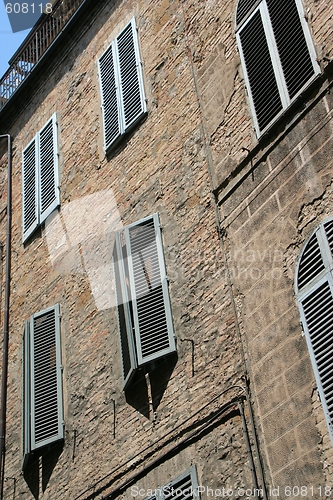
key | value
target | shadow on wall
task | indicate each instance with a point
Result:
(149, 384)
(40, 468)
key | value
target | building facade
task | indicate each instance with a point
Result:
(171, 251)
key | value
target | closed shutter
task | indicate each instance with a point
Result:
(48, 169)
(29, 189)
(244, 8)
(110, 96)
(125, 323)
(26, 395)
(131, 83)
(259, 71)
(291, 45)
(311, 263)
(317, 317)
(46, 398)
(184, 487)
(150, 298)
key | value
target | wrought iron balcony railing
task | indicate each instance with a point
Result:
(35, 45)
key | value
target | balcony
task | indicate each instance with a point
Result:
(42, 35)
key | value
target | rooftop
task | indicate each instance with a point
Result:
(40, 38)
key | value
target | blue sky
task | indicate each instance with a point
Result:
(9, 41)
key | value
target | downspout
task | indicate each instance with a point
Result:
(3, 407)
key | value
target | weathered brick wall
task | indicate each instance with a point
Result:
(198, 135)
(268, 218)
(160, 167)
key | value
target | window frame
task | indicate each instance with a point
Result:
(280, 80)
(114, 73)
(40, 214)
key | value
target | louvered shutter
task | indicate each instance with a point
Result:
(48, 169)
(110, 96)
(125, 324)
(184, 487)
(311, 263)
(258, 71)
(150, 298)
(291, 44)
(26, 395)
(29, 189)
(244, 8)
(317, 317)
(46, 385)
(133, 104)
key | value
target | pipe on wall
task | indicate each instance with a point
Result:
(3, 407)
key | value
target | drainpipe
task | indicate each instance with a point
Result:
(3, 407)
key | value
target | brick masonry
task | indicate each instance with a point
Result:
(197, 138)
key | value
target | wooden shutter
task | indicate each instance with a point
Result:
(133, 104)
(125, 323)
(317, 317)
(26, 395)
(259, 71)
(29, 189)
(291, 44)
(46, 385)
(48, 169)
(109, 84)
(150, 298)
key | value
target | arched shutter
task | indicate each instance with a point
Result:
(317, 318)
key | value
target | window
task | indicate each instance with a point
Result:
(184, 487)
(120, 74)
(42, 384)
(277, 55)
(314, 292)
(144, 314)
(40, 184)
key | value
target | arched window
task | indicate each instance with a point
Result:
(314, 292)
(277, 55)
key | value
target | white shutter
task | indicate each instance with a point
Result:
(150, 298)
(184, 487)
(277, 55)
(29, 189)
(133, 104)
(109, 85)
(317, 317)
(125, 325)
(48, 169)
(46, 384)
